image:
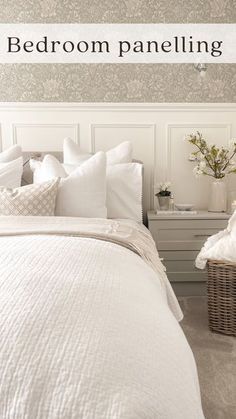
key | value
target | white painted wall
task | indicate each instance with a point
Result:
(156, 131)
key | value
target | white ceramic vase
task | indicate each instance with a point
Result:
(218, 196)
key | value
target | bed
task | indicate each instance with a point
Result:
(89, 323)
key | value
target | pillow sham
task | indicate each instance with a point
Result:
(72, 154)
(11, 173)
(124, 190)
(83, 192)
(10, 154)
(120, 154)
(36, 199)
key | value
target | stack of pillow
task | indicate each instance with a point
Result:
(103, 185)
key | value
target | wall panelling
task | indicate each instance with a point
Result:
(156, 131)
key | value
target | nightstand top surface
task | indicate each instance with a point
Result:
(201, 215)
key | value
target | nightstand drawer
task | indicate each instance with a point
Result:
(178, 255)
(180, 266)
(184, 224)
(185, 234)
(187, 276)
(183, 245)
(189, 231)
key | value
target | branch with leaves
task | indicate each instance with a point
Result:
(213, 161)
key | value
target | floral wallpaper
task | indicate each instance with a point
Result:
(117, 82)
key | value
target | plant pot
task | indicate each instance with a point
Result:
(164, 202)
(218, 196)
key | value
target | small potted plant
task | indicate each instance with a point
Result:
(216, 162)
(164, 195)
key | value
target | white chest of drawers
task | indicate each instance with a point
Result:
(178, 239)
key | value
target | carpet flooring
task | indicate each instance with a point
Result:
(215, 356)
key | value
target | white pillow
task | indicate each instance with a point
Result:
(72, 154)
(10, 154)
(37, 199)
(49, 167)
(83, 192)
(120, 154)
(11, 173)
(124, 191)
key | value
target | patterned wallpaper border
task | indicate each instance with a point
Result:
(118, 11)
(116, 82)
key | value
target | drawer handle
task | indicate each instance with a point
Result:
(202, 235)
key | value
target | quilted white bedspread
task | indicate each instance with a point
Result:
(85, 332)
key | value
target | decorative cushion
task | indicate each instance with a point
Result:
(36, 199)
(73, 155)
(47, 169)
(83, 192)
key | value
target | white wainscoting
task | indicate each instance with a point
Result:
(45, 137)
(156, 131)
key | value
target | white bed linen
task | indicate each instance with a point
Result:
(81, 193)
(220, 246)
(85, 332)
(11, 173)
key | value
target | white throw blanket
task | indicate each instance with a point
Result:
(126, 233)
(85, 328)
(220, 246)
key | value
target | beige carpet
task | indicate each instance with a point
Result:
(215, 356)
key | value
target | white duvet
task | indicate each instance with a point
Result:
(87, 332)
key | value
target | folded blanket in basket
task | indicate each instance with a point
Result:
(221, 246)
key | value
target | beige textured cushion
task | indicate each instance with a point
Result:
(36, 199)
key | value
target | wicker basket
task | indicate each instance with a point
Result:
(221, 289)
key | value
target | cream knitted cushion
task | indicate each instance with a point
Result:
(36, 199)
